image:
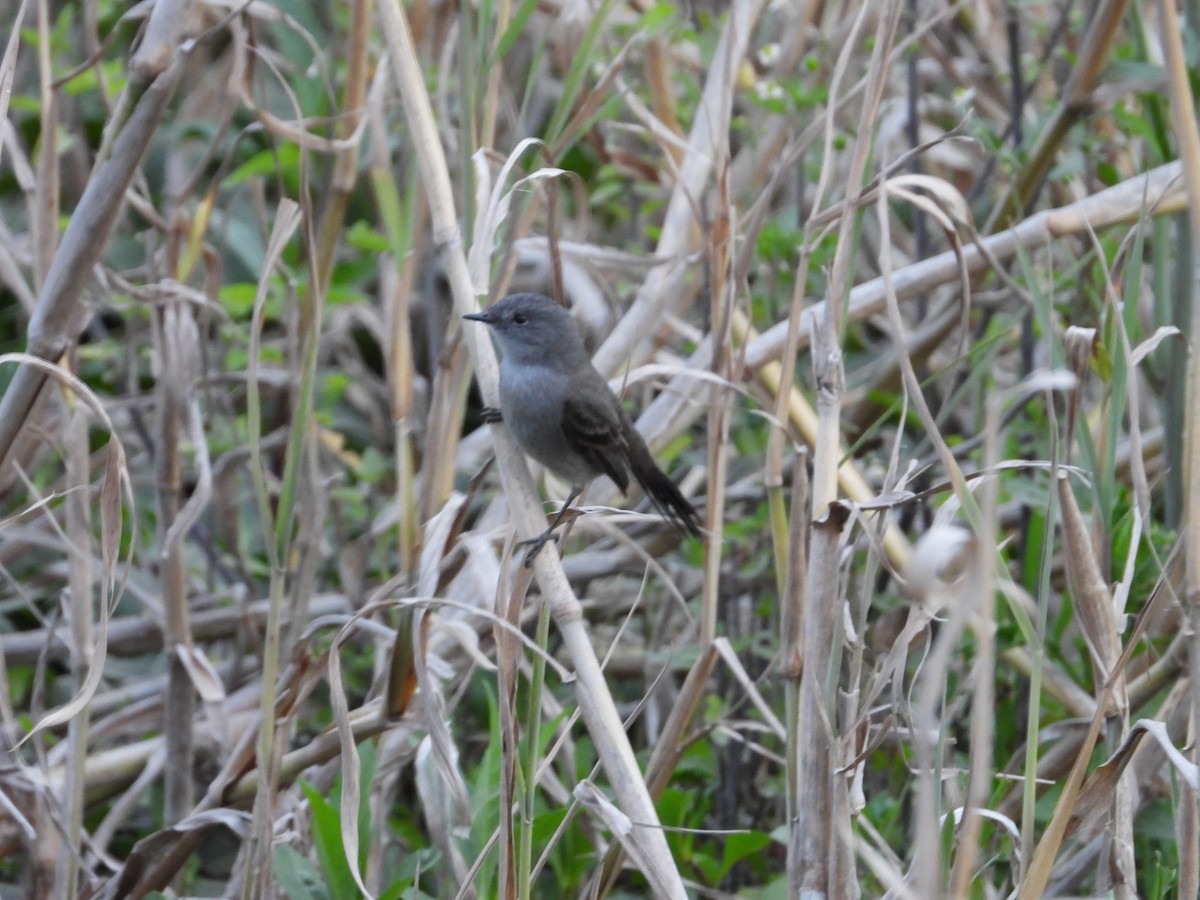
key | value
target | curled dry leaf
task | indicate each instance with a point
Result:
(1089, 591)
(1093, 805)
(1150, 344)
(445, 818)
(591, 798)
(204, 677)
(465, 637)
(150, 850)
(351, 800)
(623, 829)
(434, 546)
(935, 196)
(1080, 345)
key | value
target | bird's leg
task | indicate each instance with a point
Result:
(491, 415)
(536, 544)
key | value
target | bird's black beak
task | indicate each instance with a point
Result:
(479, 317)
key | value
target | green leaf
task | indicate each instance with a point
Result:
(409, 875)
(265, 162)
(238, 299)
(658, 17)
(375, 466)
(297, 875)
(740, 846)
(362, 236)
(327, 838)
(516, 25)
(573, 83)
(775, 890)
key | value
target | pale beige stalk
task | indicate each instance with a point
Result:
(1158, 192)
(662, 284)
(1183, 121)
(595, 701)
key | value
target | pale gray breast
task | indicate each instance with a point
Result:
(531, 401)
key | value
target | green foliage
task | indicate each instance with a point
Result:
(327, 829)
(298, 877)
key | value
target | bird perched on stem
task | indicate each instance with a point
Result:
(562, 412)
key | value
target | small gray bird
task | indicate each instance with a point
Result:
(562, 412)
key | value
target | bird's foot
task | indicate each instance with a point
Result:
(491, 415)
(539, 542)
(536, 544)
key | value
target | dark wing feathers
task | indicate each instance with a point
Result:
(662, 491)
(603, 434)
(593, 430)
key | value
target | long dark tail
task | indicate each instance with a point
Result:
(662, 491)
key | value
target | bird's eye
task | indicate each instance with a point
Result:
(520, 318)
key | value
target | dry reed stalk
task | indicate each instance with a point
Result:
(61, 314)
(976, 604)
(508, 662)
(817, 831)
(595, 701)
(55, 862)
(1040, 867)
(115, 490)
(398, 281)
(1187, 133)
(1097, 618)
(137, 635)
(1096, 609)
(783, 398)
(662, 283)
(8, 63)
(1076, 103)
(258, 852)
(981, 594)
(669, 748)
(177, 342)
(821, 854)
(1157, 192)
(79, 533)
(724, 364)
(791, 639)
(801, 416)
(46, 198)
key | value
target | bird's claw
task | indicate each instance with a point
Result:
(491, 415)
(536, 544)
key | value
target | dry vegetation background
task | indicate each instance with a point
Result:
(901, 292)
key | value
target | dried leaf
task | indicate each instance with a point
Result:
(438, 806)
(1089, 592)
(116, 478)
(1093, 805)
(467, 639)
(402, 672)
(351, 802)
(203, 675)
(623, 830)
(8, 65)
(948, 197)
(1150, 344)
(433, 546)
(150, 850)
(110, 507)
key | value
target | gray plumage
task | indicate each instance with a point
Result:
(562, 412)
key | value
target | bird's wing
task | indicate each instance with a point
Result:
(591, 424)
